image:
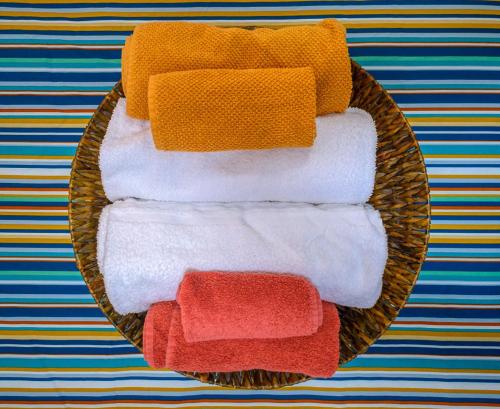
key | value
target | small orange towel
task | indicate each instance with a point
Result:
(216, 110)
(157, 48)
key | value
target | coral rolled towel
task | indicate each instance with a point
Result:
(232, 305)
(218, 110)
(158, 48)
(315, 355)
(155, 333)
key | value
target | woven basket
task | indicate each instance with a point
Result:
(401, 195)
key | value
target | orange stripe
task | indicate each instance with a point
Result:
(86, 111)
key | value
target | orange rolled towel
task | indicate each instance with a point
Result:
(216, 110)
(157, 48)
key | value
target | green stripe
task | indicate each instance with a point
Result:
(476, 149)
(75, 362)
(405, 362)
(38, 150)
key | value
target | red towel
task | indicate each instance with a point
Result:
(315, 355)
(228, 305)
(155, 333)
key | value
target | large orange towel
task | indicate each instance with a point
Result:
(157, 48)
(216, 110)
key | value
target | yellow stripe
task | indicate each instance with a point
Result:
(357, 368)
(217, 388)
(414, 335)
(458, 213)
(457, 176)
(242, 13)
(450, 123)
(34, 240)
(465, 226)
(5, 212)
(467, 240)
(31, 196)
(448, 119)
(128, 26)
(57, 335)
(51, 177)
(34, 226)
(64, 120)
(35, 156)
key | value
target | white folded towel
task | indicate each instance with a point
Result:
(144, 248)
(339, 168)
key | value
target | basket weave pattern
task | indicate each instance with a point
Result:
(401, 195)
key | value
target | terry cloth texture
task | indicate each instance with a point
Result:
(155, 333)
(315, 355)
(125, 49)
(338, 168)
(160, 47)
(144, 248)
(219, 110)
(234, 305)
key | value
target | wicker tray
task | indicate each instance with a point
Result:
(401, 195)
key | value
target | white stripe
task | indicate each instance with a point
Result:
(437, 358)
(138, 8)
(76, 92)
(431, 68)
(52, 69)
(461, 143)
(434, 82)
(440, 91)
(42, 296)
(72, 356)
(35, 172)
(56, 83)
(464, 171)
(455, 296)
(451, 306)
(50, 144)
(44, 282)
(22, 222)
(453, 282)
(468, 234)
(437, 346)
(438, 326)
(110, 37)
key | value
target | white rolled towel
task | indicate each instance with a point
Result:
(144, 248)
(338, 168)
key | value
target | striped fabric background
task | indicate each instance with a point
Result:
(439, 59)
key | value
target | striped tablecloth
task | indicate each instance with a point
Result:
(440, 61)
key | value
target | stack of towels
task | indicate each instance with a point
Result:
(239, 179)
